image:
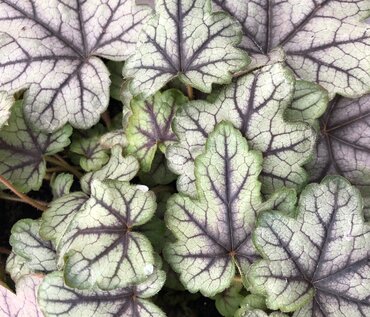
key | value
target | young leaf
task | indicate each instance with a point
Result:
(23, 304)
(61, 185)
(26, 242)
(118, 168)
(319, 259)
(58, 300)
(56, 219)
(344, 145)
(185, 40)
(115, 69)
(51, 48)
(228, 302)
(6, 102)
(17, 266)
(214, 231)
(335, 56)
(103, 249)
(257, 313)
(149, 126)
(22, 150)
(255, 104)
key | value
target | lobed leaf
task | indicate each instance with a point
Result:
(149, 126)
(22, 150)
(6, 102)
(101, 248)
(51, 48)
(17, 266)
(256, 105)
(214, 231)
(317, 262)
(185, 39)
(228, 302)
(257, 313)
(325, 41)
(23, 304)
(61, 184)
(58, 300)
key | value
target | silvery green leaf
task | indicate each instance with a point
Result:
(325, 41)
(110, 139)
(58, 300)
(344, 144)
(255, 104)
(61, 185)
(22, 150)
(87, 150)
(56, 219)
(52, 49)
(119, 167)
(17, 266)
(283, 199)
(6, 102)
(213, 232)
(253, 301)
(26, 242)
(24, 303)
(309, 103)
(101, 247)
(317, 262)
(149, 126)
(228, 302)
(257, 313)
(185, 39)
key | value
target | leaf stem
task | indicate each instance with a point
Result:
(190, 92)
(58, 161)
(34, 203)
(106, 118)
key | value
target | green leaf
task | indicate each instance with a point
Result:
(309, 103)
(253, 301)
(228, 302)
(24, 303)
(6, 102)
(214, 231)
(344, 144)
(118, 168)
(22, 150)
(17, 266)
(320, 258)
(58, 300)
(53, 49)
(61, 184)
(335, 56)
(149, 126)
(110, 139)
(87, 150)
(255, 104)
(257, 313)
(284, 199)
(26, 242)
(185, 40)
(56, 219)
(103, 249)
(115, 69)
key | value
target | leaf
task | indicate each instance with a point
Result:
(214, 231)
(185, 40)
(118, 168)
(17, 266)
(251, 302)
(227, 302)
(309, 103)
(61, 185)
(56, 219)
(149, 126)
(57, 299)
(343, 147)
(320, 258)
(335, 56)
(103, 249)
(51, 48)
(110, 139)
(115, 69)
(87, 150)
(6, 102)
(22, 150)
(284, 199)
(26, 242)
(23, 304)
(255, 104)
(257, 313)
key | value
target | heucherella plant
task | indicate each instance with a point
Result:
(184, 158)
